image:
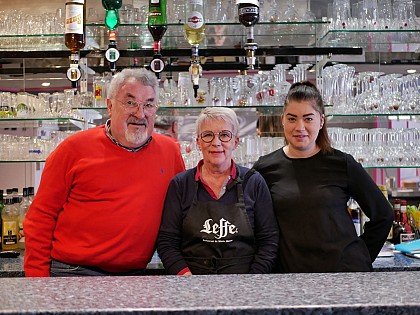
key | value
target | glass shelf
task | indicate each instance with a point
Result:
(137, 36)
(21, 161)
(393, 166)
(191, 107)
(60, 119)
(62, 123)
(396, 114)
(392, 40)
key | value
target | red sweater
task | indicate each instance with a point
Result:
(98, 204)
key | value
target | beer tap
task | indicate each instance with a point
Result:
(194, 31)
(157, 25)
(112, 21)
(248, 12)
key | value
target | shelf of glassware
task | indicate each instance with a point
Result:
(137, 36)
(269, 109)
(374, 40)
(353, 141)
(371, 141)
(18, 148)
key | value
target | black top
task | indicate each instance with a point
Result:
(310, 198)
(259, 209)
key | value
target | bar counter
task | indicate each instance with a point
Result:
(371, 293)
(13, 267)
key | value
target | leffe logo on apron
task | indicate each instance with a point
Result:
(220, 230)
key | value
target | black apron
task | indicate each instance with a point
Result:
(218, 238)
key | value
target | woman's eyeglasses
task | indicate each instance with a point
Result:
(208, 136)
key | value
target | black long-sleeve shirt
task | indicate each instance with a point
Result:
(310, 201)
(258, 207)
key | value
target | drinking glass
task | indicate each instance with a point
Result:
(341, 14)
(217, 92)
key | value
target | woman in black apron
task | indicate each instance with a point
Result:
(218, 217)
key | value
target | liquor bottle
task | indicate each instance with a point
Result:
(384, 191)
(1, 207)
(406, 233)
(10, 224)
(355, 214)
(156, 21)
(112, 18)
(31, 193)
(15, 195)
(75, 25)
(23, 208)
(1, 200)
(194, 26)
(396, 226)
(194, 31)
(157, 26)
(248, 12)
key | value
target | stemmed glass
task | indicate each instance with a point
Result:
(291, 15)
(309, 16)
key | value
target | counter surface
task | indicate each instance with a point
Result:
(371, 293)
(13, 267)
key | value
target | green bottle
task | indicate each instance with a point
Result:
(157, 19)
(112, 19)
(112, 4)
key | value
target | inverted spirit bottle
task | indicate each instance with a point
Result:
(75, 25)
(157, 24)
(112, 21)
(194, 32)
(75, 36)
(249, 15)
(194, 27)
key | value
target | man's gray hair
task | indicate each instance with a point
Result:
(146, 77)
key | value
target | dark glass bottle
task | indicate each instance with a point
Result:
(112, 4)
(1, 200)
(396, 226)
(75, 25)
(248, 12)
(156, 21)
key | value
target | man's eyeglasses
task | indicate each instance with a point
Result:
(132, 106)
(208, 136)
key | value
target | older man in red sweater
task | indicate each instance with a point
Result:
(99, 204)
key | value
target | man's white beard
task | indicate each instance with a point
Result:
(136, 138)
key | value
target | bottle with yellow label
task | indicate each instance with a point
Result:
(10, 225)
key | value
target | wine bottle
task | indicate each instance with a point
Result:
(75, 25)
(194, 26)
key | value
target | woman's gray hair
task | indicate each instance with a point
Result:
(218, 113)
(145, 77)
